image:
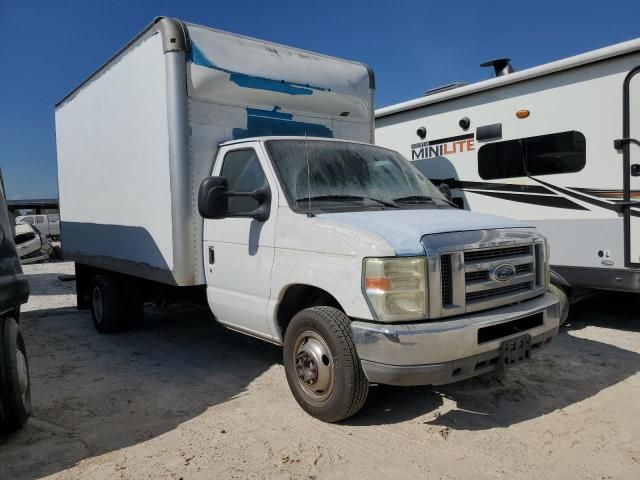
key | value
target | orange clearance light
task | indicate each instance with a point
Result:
(522, 113)
(377, 283)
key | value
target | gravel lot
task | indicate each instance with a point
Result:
(185, 398)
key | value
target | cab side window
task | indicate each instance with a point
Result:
(242, 170)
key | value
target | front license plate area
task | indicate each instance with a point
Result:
(515, 351)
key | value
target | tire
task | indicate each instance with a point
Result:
(107, 304)
(338, 388)
(15, 384)
(57, 253)
(563, 300)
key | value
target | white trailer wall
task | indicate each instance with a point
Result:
(113, 162)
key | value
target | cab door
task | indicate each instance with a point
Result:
(239, 252)
(630, 144)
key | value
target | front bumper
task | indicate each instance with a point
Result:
(446, 351)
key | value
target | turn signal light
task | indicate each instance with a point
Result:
(522, 113)
(377, 283)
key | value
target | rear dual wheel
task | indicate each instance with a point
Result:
(116, 303)
(322, 366)
(15, 384)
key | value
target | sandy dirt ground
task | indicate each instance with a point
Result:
(183, 398)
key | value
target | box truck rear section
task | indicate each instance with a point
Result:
(135, 139)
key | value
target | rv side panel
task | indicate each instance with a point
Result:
(574, 207)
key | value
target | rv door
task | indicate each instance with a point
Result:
(630, 144)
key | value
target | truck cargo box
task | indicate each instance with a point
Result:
(136, 138)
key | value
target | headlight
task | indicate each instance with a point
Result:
(396, 287)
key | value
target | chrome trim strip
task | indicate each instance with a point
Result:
(488, 285)
(456, 244)
(478, 266)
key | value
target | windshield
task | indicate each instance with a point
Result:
(326, 175)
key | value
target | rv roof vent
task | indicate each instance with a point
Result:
(501, 66)
(444, 88)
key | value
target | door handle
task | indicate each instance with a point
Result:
(212, 256)
(621, 142)
(635, 170)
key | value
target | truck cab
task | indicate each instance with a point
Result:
(316, 244)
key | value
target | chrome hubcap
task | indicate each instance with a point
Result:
(314, 366)
(23, 373)
(97, 304)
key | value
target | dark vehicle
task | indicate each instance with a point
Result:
(15, 386)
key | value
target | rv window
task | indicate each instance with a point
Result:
(242, 170)
(541, 155)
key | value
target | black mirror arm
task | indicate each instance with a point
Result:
(262, 195)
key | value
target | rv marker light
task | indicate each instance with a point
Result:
(522, 113)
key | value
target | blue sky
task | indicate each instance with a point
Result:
(50, 46)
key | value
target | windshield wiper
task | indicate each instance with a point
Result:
(347, 197)
(421, 199)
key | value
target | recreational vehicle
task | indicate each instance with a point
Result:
(557, 145)
(205, 165)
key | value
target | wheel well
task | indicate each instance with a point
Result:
(299, 297)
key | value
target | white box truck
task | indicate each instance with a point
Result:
(556, 145)
(201, 164)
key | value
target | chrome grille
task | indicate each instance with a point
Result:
(464, 274)
(483, 291)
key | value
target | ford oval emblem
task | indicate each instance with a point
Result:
(503, 273)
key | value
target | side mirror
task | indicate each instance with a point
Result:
(445, 190)
(213, 201)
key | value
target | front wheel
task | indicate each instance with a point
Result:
(322, 366)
